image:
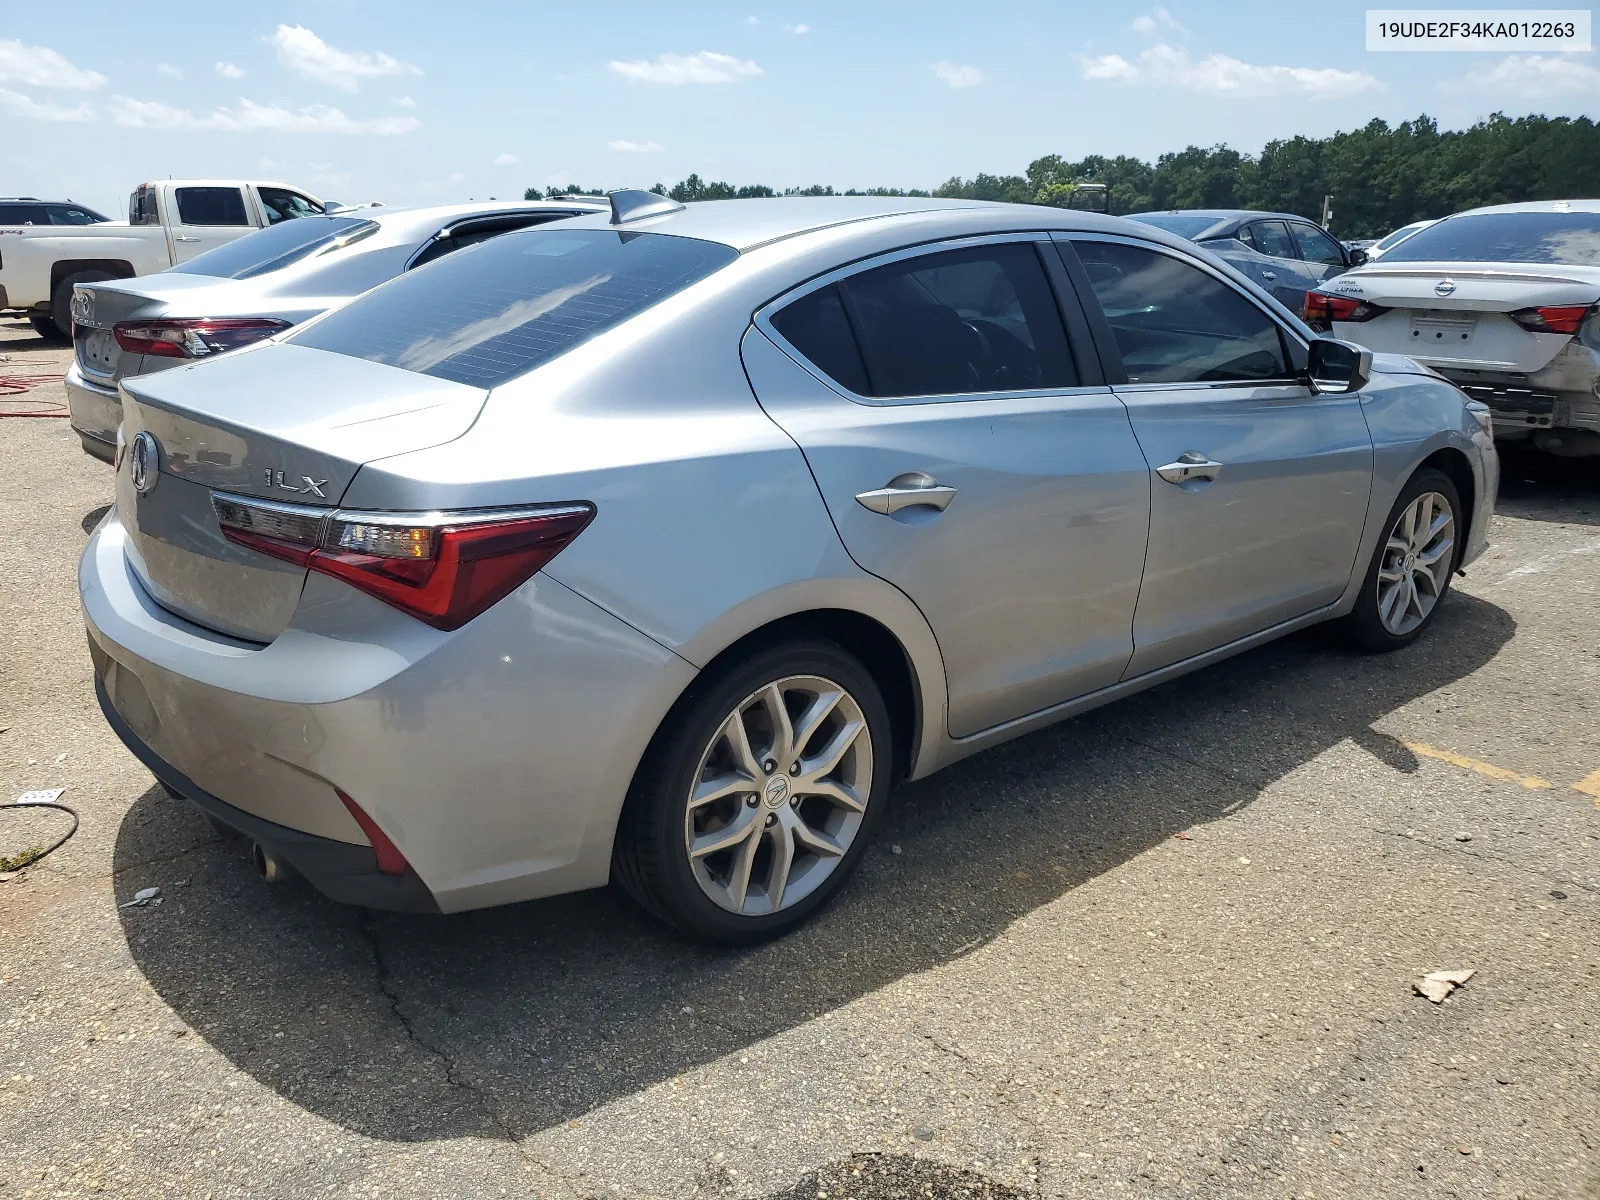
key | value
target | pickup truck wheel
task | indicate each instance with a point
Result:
(45, 327)
(61, 299)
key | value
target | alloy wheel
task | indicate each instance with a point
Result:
(779, 795)
(1416, 563)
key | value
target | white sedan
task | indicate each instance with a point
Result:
(1504, 302)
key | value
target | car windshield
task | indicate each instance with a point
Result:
(1572, 238)
(1183, 224)
(277, 247)
(489, 313)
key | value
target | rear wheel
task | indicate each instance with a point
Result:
(759, 794)
(45, 327)
(1411, 567)
(61, 298)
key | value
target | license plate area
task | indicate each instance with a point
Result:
(1439, 332)
(98, 352)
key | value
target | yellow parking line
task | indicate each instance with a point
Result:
(1589, 786)
(1489, 769)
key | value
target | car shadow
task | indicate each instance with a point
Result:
(1544, 487)
(504, 1022)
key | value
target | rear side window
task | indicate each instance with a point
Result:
(496, 311)
(211, 206)
(953, 323)
(1174, 323)
(277, 247)
(23, 214)
(1271, 238)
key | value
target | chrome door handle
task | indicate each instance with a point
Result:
(1191, 464)
(1269, 276)
(907, 491)
(184, 238)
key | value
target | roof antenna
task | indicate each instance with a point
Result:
(629, 204)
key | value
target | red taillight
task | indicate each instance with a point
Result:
(1560, 319)
(1322, 309)
(390, 860)
(443, 569)
(192, 338)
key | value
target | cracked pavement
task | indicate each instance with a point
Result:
(1163, 950)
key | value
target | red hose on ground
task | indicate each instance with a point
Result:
(17, 385)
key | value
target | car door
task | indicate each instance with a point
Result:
(1322, 257)
(1259, 486)
(970, 454)
(206, 217)
(1284, 275)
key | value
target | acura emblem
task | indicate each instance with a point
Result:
(1444, 287)
(144, 462)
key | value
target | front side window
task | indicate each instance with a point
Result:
(72, 214)
(1271, 238)
(283, 205)
(487, 314)
(277, 247)
(1317, 247)
(1174, 323)
(1569, 238)
(211, 206)
(953, 323)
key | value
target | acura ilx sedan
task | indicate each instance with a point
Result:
(658, 545)
(256, 286)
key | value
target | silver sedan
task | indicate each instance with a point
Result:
(257, 286)
(657, 546)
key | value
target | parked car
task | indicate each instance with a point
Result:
(1285, 254)
(168, 222)
(1393, 239)
(1502, 301)
(30, 210)
(257, 286)
(658, 544)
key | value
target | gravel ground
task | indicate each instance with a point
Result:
(1163, 950)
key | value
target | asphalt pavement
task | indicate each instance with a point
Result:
(1163, 950)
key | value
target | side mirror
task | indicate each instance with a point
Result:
(1358, 258)
(1336, 367)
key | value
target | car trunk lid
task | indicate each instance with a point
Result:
(277, 422)
(97, 307)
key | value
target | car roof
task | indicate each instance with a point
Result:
(1535, 206)
(746, 224)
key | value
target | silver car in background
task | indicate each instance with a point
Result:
(657, 546)
(1504, 302)
(257, 286)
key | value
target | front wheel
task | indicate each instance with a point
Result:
(759, 794)
(1411, 567)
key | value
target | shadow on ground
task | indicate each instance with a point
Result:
(508, 1021)
(1543, 487)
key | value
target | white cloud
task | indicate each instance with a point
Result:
(304, 53)
(40, 66)
(507, 160)
(405, 102)
(1532, 77)
(559, 179)
(250, 117)
(1218, 74)
(797, 30)
(705, 67)
(752, 21)
(228, 71)
(25, 106)
(958, 76)
(169, 70)
(1157, 21)
(626, 147)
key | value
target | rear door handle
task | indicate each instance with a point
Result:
(1270, 276)
(185, 238)
(1191, 464)
(909, 490)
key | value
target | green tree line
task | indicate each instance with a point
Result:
(1380, 176)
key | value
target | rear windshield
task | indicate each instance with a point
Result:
(1187, 225)
(494, 311)
(1532, 237)
(275, 247)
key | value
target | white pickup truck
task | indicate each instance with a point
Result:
(168, 223)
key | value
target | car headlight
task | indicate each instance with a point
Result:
(1481, 414)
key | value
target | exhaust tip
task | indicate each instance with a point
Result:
(271, 868)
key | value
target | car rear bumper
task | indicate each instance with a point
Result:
(496, 757)
(96, 413)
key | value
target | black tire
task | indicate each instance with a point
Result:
(651, 860)
(45, 327)
(1364, 627)
(61, 298)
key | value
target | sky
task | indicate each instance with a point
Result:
(412, 103)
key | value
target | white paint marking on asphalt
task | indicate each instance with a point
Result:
(1540, 565)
